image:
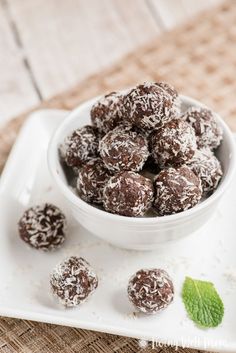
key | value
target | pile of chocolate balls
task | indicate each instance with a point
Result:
(140, 153)
(143, 153)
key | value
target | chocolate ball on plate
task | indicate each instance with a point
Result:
(205, 164)
(123, 149)
(73, 281)
(91, 180)
(148, 106)
(108, 112)
(43, 227)
(173, 144)
(128, 194)
(175, 110)
(150, 290)
(80, 146)
(207, 130)
(176, 190)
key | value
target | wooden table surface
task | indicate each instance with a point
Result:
(47, 46)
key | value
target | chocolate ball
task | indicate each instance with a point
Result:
(128, 194)
(80, 146)
(43, 227)
(123, 149)
(150, 290)
(148, 106)
(91, 180)
(108, 112)
(205, 164)
(207, 130)
(176, 190)
(173, 144)
(175, 110)
(73, 281)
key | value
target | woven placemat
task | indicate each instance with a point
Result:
(199, 59)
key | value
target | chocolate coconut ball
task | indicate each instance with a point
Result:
(207, 130)
(80, 146)
(123, 149)
(128, 194)
(150, 290)
(148, 106)
(208, 168)
(108, 112)
(176, 190)
(175, 110)
(173, 144)
(91, 180)
(73, 281)
(43, 227)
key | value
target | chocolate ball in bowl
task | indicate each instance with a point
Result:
(128, 194)
(176, 190)
(73, 281)
(108, 112)
(43, 227)
(148, 106)
(80, 146)
(207, 130)
(205, 164)
(123, 149)
(150, 290)
(173, 144)
(92, 178)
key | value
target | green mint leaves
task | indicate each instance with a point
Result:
(202, 302)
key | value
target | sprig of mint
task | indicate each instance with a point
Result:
(202, 302)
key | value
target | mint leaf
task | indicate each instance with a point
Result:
(202, 302)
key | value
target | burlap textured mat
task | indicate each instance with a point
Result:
(199, 58)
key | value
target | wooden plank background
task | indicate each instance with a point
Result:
(47, 46)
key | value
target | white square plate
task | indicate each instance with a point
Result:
(24, 273)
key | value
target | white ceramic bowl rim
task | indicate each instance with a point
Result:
(76, 200)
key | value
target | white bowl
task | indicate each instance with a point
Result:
(138, 233)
